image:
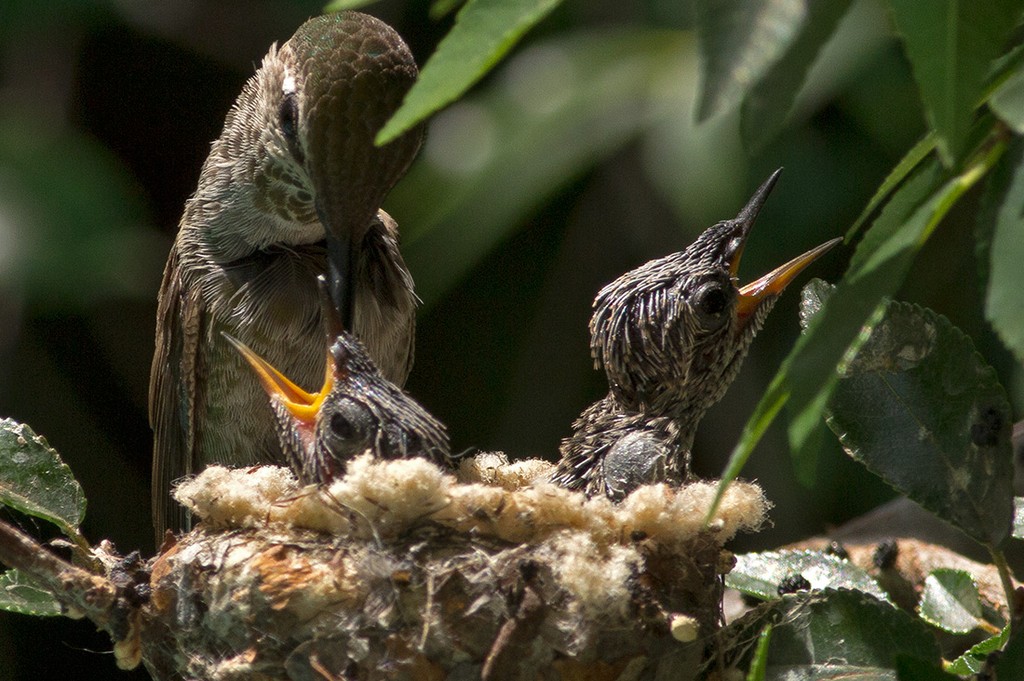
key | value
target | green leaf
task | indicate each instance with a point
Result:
(499, 154)
(484, 31)
(950, 601)
(973, 660)
(833, 634)
(760, 662)
(951, 46)
(20, 594)
(768, 103)
(807, 376)
(1011, 662)
(759, 574)
(442, 8)
(911, 160)
(993, 197)
(739, 41)
(919, 407)
(35, 481)
(1018, 517)
(339, 5)
(1008, 102)
(809, 370)
(1004, 304)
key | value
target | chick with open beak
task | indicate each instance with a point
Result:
(356, 411)
(670, 335)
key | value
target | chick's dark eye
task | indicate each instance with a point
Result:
(342, 427)
(712, 300)
(350, 422)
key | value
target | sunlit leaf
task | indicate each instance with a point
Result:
(339, 5)
(1011, 663)
(20, 594)
(1008, 102)
(973, 660)
(759, 574)
(494, 157)
(484, 31)
(739, 41)
(759, 664)
(950, 601)
(906, 165)
(769, 102)
(1004, 303)
(951, 46)
(997, 184)
(35, 481)
(834, 634)
(441, 8)
(920, 408)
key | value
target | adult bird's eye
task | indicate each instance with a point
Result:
(288, 113)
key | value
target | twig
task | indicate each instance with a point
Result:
(92, 595)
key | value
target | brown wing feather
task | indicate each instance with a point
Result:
(172, 394)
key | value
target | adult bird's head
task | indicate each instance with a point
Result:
(302, 136)
(671, 334)
(355, 411)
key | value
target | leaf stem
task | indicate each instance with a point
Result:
(999, 559)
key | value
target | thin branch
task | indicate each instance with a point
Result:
(92, 595)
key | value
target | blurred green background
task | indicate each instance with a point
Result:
(576, 159)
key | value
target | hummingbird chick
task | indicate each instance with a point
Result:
(670, 335)
(356, 411)
(291, 190)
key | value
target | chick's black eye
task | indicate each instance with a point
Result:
(711, 300)
(342, 427)
(350, 422)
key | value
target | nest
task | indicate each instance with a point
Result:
(401, 570)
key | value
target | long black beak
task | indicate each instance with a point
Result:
(772, 284)
(332, 317)
(340, 271)
(745, 221)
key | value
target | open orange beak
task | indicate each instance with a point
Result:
(773, 283)
(300, 404)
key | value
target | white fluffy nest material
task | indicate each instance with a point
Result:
(401, 570)
(512, 502)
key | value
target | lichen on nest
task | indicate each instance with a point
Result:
(400, 565)
(511, 502)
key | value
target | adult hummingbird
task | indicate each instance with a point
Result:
(671, 336)
(357, 410)
(291, 190)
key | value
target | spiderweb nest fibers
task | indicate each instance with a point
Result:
(402, 570)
